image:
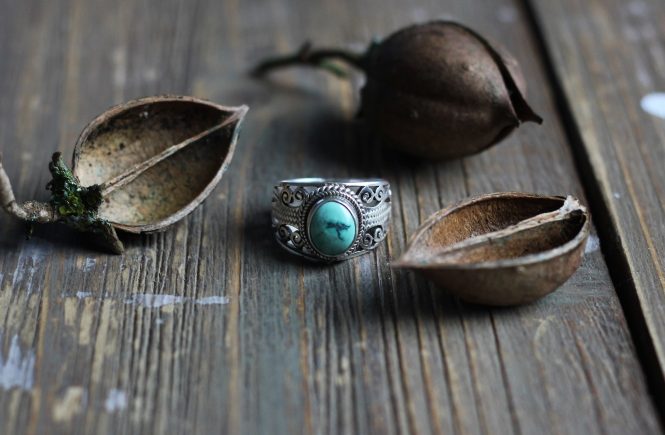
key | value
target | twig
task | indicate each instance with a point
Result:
(30, 211)
(318, 58)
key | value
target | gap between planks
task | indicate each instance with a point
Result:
(610, 242)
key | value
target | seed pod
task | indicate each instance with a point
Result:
(437, 90)
(139, 167)
(502, 248)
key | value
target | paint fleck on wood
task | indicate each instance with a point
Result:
(116, 400)
(17, 366)
(69, 404)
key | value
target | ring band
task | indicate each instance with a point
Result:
(330, 219)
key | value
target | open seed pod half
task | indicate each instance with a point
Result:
(502, 248)
(138, 167)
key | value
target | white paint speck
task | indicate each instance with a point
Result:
(150, 300)
(506, 14)
(213, 300)
(32, 253)
(89, 264)
(17, 370)
(592, 244)
(153, 300)
(72, 402)
(617, 195)
(654, 104)
(544, 325)
(116, 400)
(83, 295)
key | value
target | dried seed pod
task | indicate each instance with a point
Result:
(435, 90)
(139, 167)
(502, 248)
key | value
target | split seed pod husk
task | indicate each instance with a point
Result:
(139, 167)
(437, 90)
(502, 248)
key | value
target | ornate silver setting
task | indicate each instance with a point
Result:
(294, 200)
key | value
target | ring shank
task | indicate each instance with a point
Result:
(293, 199)
(320, 182)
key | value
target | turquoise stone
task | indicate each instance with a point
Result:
(332, 228)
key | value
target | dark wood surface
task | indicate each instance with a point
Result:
(609, 58)
(296, 348)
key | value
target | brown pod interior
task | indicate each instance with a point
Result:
(477, 218)
(500, 249)
(129, 135)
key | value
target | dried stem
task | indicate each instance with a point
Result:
(131, 174)
(318, 58)
(30, 211)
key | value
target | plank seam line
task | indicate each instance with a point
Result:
(610, 242)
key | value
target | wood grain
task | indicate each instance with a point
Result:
(298, 348)
(607, 56)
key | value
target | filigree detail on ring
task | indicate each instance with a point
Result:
(287, 234)
(293, 198)
(368, 195)
(372, 237)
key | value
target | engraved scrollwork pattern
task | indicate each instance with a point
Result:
(374, 194)
(292, 197)
(291, 206)
(291, 235)
(373, 236)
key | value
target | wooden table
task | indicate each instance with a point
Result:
(283, 347)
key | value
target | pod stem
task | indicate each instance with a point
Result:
(29, 211)
(71, 204)
(319, 58)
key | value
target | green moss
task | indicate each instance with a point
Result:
(67, 194)
(77, 205)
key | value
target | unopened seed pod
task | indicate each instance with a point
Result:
(437, 90)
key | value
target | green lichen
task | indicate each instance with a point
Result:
(77, 205)
(68, 197)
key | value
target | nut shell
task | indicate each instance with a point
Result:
(132, 136)
(439, 90)
(500, 249)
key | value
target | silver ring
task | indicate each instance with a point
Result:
(330, 219)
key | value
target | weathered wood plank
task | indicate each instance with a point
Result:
(607, 56)
(298, 348)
